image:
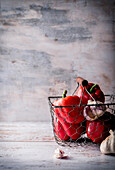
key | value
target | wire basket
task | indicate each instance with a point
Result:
(85, 131)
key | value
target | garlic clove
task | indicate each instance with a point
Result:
(60, 154)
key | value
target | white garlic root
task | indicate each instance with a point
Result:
(108, 145)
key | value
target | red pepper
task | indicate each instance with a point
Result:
(94, 90)
(98, 130)
(70, 114)
(59, 131)
(73, 130)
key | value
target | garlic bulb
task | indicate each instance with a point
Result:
(108, 145)
(94, 112)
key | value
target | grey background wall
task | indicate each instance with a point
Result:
(45, 45)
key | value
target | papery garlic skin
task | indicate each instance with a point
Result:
(94, 112)
(60, 154)
(108, 145)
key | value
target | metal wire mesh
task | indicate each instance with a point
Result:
(70, 128)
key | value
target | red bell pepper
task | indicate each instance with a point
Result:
(59, 130)
(73, 130)
(70, 114)
(98, 130)
(93, 90)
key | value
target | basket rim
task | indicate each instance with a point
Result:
(80, 105)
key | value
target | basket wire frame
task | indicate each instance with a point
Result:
(82, 139)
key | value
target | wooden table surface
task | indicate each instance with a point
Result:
(31, 146)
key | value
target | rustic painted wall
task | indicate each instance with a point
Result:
(45, 45)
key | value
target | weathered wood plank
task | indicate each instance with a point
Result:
(36, 150)
(26, 132)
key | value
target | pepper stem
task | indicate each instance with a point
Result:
(64, 94)
(91, 89)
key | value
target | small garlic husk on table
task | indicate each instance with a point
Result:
(59, 154)
(94, 112)
(108, 145)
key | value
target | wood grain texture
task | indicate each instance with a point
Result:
(20, 149)
(45, 45)
(26, 132)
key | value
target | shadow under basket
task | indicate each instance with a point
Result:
(76, 134)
